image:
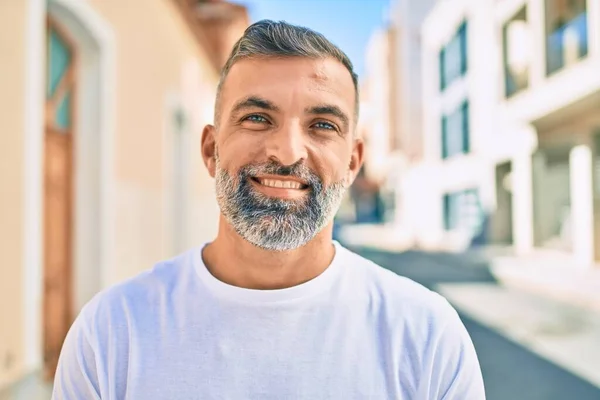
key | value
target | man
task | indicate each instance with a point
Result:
(273, 308)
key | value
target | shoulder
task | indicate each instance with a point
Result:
(138, 295)
(425, 329)
(402, 299)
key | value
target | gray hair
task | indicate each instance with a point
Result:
(280, 39)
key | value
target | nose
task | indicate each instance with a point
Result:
(287, 145)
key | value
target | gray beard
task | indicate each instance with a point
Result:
(272, 223)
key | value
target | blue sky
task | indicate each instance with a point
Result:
(347, 23)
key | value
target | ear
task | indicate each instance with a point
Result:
(208, 148)
(356, 160)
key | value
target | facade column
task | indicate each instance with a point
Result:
(536, 17)
(582, 204)
(521, 182)
(595, 140)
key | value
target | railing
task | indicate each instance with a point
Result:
(567, 44)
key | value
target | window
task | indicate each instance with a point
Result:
(453, 57)
(450, 213)
(462, 211)
(180, 165)
(455, 132)
(517, 51)
(566, 33)
(60, 81)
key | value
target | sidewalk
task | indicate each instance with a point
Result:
(549, 273)
(543, 301)
(568, 336)
(552, 274)
(376, 236)
(32, 387)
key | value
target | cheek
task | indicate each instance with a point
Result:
(331, 162)
(234, 154)
(242, 146)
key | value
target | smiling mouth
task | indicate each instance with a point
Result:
(280, 183)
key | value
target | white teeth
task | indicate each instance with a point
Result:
(280, 184)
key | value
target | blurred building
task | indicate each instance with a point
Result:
(406, 105)
(511, 127)
(391, 106)
(103, 103)
(375, 127)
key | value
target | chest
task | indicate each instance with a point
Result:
(267, 355)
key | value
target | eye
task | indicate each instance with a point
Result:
(255, 118)
(325, 125)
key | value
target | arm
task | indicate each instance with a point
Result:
(76, 376)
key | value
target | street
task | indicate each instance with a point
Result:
(510, 371)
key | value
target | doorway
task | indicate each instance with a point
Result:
(551, 176)
(502, 220)
(61, 81)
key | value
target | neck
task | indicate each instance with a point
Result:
(237, 262)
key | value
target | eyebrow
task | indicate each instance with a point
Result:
(328, 109)
(254, 102)
(262, 103)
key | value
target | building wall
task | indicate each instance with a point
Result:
(493, 139)
(375, 115)
(13, 16)
(573, 83)
(507, 130)
(391, 112)
(475, 169)
(151, 64)
(159, 69)
(406, 18)
(406, 100)
(561, 108)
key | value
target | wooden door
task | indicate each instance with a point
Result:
(58, 195)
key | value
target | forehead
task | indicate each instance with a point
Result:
(289, 81)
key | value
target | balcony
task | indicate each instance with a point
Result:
(567, 44)
(563, 68)
(516, 53)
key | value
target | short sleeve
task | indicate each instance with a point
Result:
(76, 376)
(452, 370)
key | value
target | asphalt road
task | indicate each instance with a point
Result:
(510, 371)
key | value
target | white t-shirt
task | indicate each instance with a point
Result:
(357, 331)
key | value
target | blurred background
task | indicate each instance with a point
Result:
(481, 181)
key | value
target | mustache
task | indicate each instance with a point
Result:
(298, 170)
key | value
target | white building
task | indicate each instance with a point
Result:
(407, 17)
(391, 112)
(511, 127)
